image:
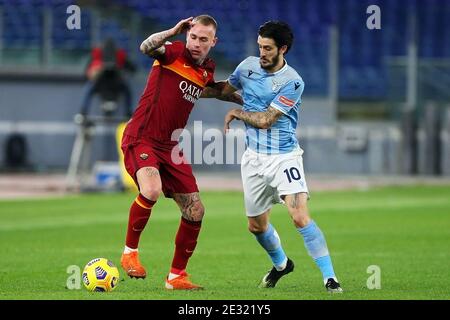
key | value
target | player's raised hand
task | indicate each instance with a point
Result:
(182, 26)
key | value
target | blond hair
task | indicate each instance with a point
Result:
(205, 20)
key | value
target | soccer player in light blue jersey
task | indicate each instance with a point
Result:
(272, 166)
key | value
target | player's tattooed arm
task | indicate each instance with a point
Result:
(234, 97)
(217, 89)
(153, 46)
(190, 205)
(260, 120)
(223, 91)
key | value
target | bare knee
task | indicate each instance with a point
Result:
(256, 228)
(149, 182)
(300, 218)
(298, 209)
(190, 205)
(259, 224)
(198, 211)
(151, 192)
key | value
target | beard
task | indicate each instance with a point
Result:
(272, 63)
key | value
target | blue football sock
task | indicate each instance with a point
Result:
(270, 241)
(317, 248)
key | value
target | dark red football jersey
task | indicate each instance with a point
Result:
(174, 84)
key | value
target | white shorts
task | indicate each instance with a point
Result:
(268, 177)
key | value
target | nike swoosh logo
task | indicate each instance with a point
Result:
(186, 66)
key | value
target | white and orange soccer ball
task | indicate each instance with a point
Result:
(100, 274)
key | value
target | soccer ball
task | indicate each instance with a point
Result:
(100, 274)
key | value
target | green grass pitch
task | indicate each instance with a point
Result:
(403, 230)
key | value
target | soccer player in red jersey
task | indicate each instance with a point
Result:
(179, 75)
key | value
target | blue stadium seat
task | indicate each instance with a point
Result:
(362, 51)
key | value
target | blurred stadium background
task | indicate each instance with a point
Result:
(376, 111)
(377, 102)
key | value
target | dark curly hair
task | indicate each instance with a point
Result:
(279, 31)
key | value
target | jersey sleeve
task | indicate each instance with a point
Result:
(173, 51)
(289, 95)
(235, 78)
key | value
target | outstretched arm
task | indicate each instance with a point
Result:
(260, 120)
(153, 46)
(222, 90)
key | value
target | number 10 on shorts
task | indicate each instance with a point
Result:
(292, 174)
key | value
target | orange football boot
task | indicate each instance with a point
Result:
(181, 282)
(132, 266)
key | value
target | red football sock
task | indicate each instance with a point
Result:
(185, 243)
(139, 214)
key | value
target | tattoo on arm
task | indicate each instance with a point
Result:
(210, 92)
(234, 97)
(255, 119)
(154, 45)
(223, 91)
(261, 120)
(218, 85)
(213, 90)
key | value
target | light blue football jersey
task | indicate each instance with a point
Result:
(260, 89)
